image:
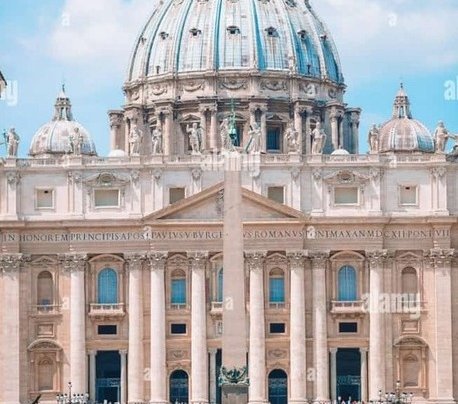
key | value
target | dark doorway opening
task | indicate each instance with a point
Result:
(108, 376)
(349, 374)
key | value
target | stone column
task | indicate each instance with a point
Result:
(376, 330)
(158, 362)
(442, 351)
(212, 352)
(257, 345)
(298, 111)
(10, 349)
(116, 122)
(135, 374)
(333, 352)
(307, 142)
(363, 353)
(297, 355)
(123, 354)
(321, 355)
(263, 128)
(199, 352)
(213, 127)
(355, 131)
(92, 375)
(167, 135)
(75, 264)
(333, 117)
(203, 126)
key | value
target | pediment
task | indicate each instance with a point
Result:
(208, 205)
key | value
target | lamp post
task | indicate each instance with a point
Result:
(396, 397)
(75, 398)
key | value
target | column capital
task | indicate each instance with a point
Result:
(92, 352)
(296, 258)
(378, 257)
(363, 350)
(439, 256)
(319, 258)
(11, 263)
(123, 351)
(134, 260)
(255, 259)
(157, 260)
(73, 262)
(333, 350)
(212, 351)
(197, 259)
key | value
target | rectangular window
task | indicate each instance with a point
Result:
(107, 330)
(178, 329)
(273, 140)
(178, 291)
(277, 290)
(44, 198)
(408, 195)
(346, 195)
(176, 194)
(276, 194)
(277, 328)
(106, 198)
(348, 327)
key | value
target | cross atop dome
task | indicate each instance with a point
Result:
(63, 107)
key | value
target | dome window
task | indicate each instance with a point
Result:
(324, 37)
(272, 32)
(164, 35)
(195, 31)
(233, 30)
(302, 34)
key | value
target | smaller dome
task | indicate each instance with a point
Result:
(117, 153)
(402, 133)
(340, 152)
(62, 134)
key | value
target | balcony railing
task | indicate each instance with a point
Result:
(46, 309)
(106, 309)
(178, 306)
(277, 305)
(355, 307)
(216, 308)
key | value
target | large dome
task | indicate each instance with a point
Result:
(55, 137)
(402, 133)
(221, 35)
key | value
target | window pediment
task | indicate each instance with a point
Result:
(344, 177)
(106, 179)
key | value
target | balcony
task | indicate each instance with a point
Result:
(216, 308)
(45, 309)
(354, 308)
(106, 310)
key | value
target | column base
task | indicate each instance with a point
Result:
(158, 402)
(260, 402)
(298, 401)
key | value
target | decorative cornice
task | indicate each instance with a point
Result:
(197, 259)
(440, 256)
(134, 260)
(378, 257)
(319, 258)
(73, 262)
(296, 258)
(157, 260)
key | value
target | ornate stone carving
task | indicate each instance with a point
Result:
(296, 258)
(317, 174)
(438, 172)
(74, 176)
(220, 202)
(295, 172)
(73, 262)
(233, 84)
(346, 177)
(233, 376)
(439, 256)
(134, 260)
(274, 85)
(10, 263)
(310, 89)
(157, 89)
(13, 177)
(116, 119)
(178, 354)
(134, 176)
(277, 354)
(107, 179)
(193, 85)
(378, 257)
(197, 260)
(319, 258)
(255, 260)
(196, 173)
(157, 173)
(157, 260)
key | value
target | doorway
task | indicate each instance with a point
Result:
(108, 376)
(348, 374)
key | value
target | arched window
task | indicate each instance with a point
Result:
(219, 291)
(45, 375)
(347, 284)
(178, 287)
(45, 292)
(409, 281)
(107, 286)
(411, 371)
(278, 387)
(276, 286)
(178, 389)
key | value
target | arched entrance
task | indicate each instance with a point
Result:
(278, 387)
(179, 387)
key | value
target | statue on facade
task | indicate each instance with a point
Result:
(156, 140)
(373, 139)
(12, 139)
(226, 141)
(135, 140)
(254, 141)
(195, 137)
(441, 136)
(292, 139)
(319, 139)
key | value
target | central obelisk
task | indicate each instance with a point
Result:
(234, 371)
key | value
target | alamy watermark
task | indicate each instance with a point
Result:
(393, 303)
(451, 90)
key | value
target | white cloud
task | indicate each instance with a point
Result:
(395, 37)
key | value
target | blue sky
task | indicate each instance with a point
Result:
(88, 44)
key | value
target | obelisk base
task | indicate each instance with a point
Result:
(235, 393)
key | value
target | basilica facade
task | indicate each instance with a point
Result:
(112, 272)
